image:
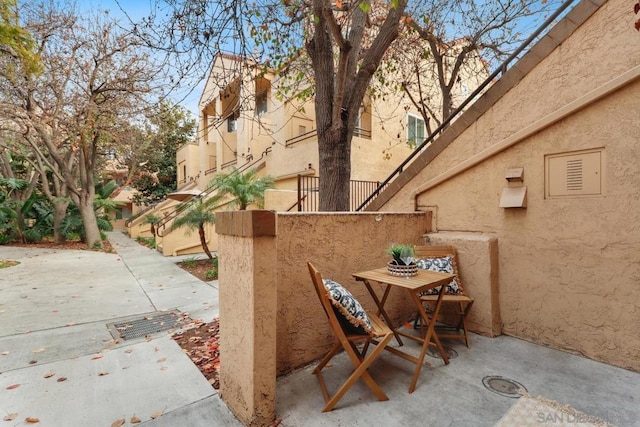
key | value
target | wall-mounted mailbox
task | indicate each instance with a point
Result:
(513, 197)
(514, 174)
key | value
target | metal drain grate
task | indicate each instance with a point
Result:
(147, 324)
(433, 352)
(503, 386)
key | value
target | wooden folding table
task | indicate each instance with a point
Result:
(421, 282)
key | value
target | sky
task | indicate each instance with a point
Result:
(137, 9)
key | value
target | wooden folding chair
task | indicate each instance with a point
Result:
(347, 336)
(455, 296)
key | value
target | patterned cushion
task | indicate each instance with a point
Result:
(348, 310)
(441, 265)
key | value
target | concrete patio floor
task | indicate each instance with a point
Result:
(454, 395)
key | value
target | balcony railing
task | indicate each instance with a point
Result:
(359, 132)
(308, 191)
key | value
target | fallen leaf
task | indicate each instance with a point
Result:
(135, 420)
(10, 417)
(4, 353)
(49, 374)
(118, 423)
(13, 386)
(96, 357)
(128, 350)
(32, 420)
(161, 360)
(40, 350)
(164, 368)
(156, 415)
(102, 374)
(32, 362)
(69, 324)
(61, 379)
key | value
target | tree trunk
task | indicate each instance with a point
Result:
(91, 231)
(335, 163)
(203, 241)
(59, 213)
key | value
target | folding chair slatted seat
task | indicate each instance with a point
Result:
(350, 325)
(445, 258)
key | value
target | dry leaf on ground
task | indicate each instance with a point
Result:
(10, 417)
(201, 344)
(49, 374)
(135, 420)
(156, 414)
(32, 420)
(13, 386)
(118, 423)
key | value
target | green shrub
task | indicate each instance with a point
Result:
(211, 274)
(190, 262)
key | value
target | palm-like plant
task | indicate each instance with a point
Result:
(245, 188)
(196, 216)
(152, 220)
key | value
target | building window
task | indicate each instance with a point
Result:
(415, 129)
(302, 130)
(232, 121)
(261, 103)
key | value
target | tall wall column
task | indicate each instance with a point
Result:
(248, 297)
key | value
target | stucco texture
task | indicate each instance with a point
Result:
(568, 267)
(338, 244)
(247, 327)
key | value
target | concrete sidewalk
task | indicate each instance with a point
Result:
(59, 362)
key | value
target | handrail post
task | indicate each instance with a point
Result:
(299, 193)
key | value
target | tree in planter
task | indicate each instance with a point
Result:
(199, 214)
(245, 188)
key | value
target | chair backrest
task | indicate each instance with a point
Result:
(323, 296)
(422, 252)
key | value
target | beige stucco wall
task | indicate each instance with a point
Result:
(248, 315)
(568, 267)
(338, 244)
(187, 161)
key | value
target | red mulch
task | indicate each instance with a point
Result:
(48, 243)
(201, 345)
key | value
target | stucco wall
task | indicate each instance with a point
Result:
(338, 244)
(568, 267)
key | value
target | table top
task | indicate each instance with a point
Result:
(425, 279)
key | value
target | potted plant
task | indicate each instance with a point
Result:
(403, 262)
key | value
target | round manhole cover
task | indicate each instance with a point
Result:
(433, 352)
(503, 386)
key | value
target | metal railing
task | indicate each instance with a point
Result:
(500, 70)
(308, 191)
(359, 132)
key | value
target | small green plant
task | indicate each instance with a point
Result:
(211, 274)
(402, 253)
(190, 262)
(149, 242)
